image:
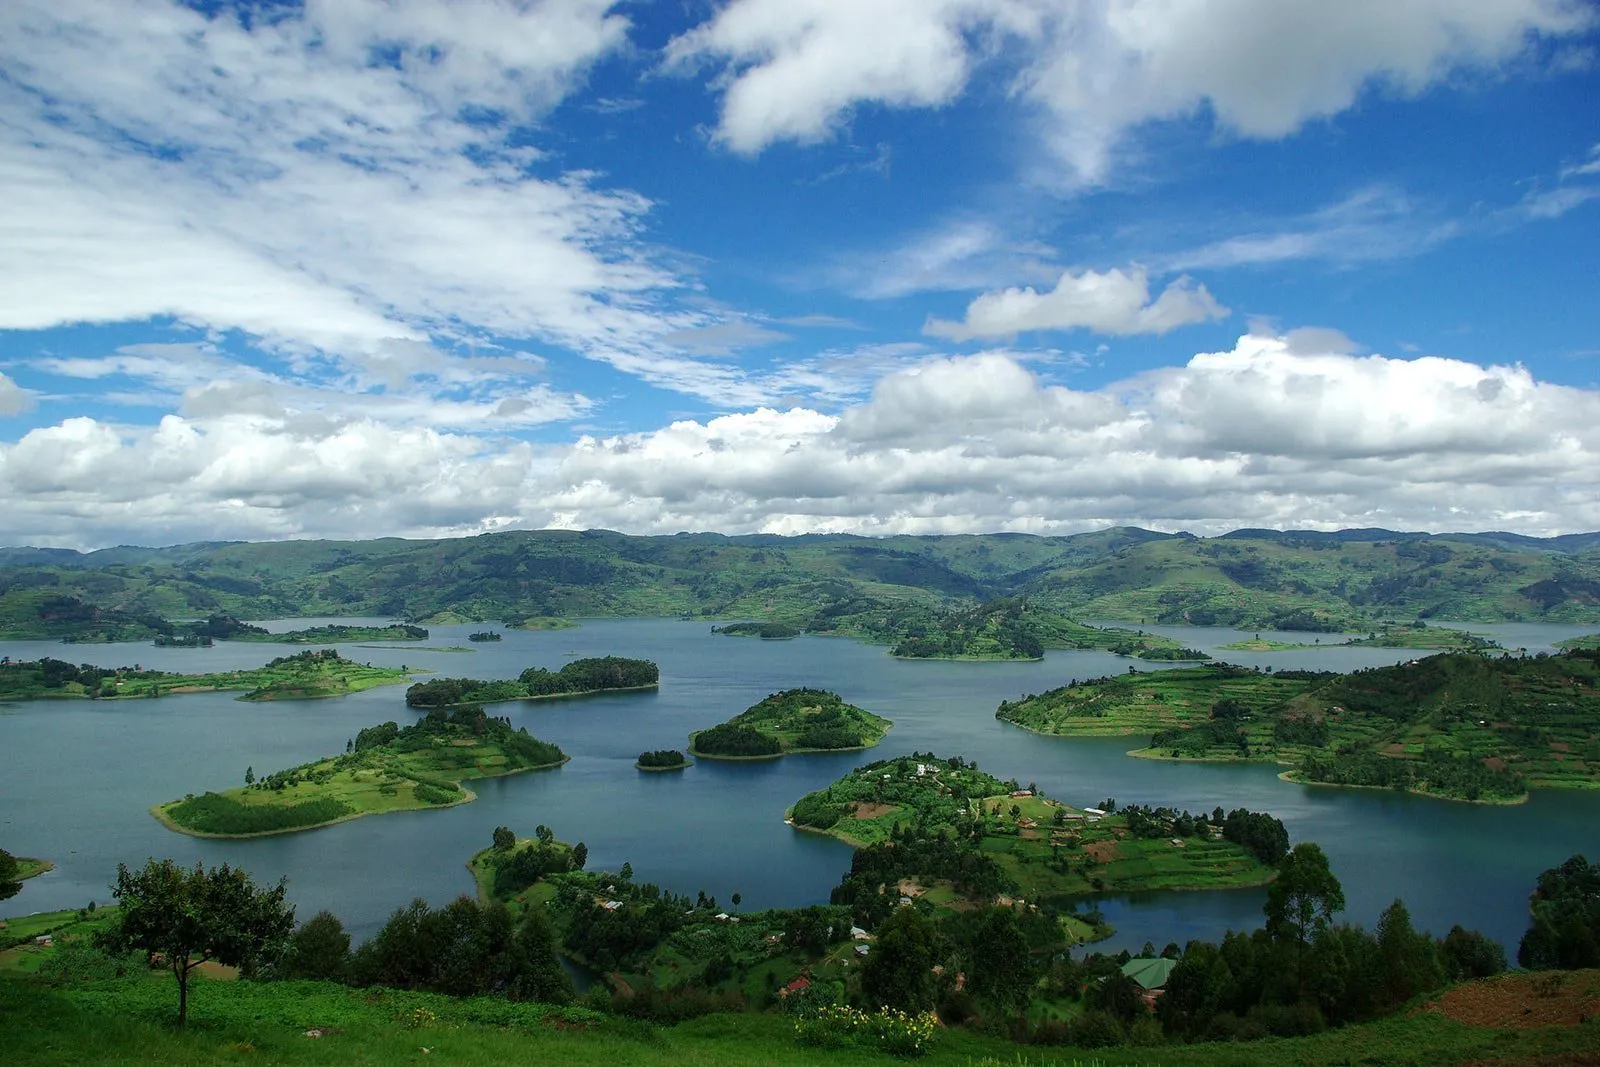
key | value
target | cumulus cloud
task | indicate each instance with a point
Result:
(1276, 431)
(1116, 303)
(793, 70)
(13, 398)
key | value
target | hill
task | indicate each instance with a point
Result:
(795, 720)
(1458, 725)
(302, 676)
(1345, 581)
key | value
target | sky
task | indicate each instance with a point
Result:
(361, 268)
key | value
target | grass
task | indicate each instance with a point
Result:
(28, 867)
(128, 1022)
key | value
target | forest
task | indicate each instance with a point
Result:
(581, 676)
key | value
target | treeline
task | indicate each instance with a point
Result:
(1565, 927)
(213, 813)
(662, 757)
(736, 739)
(767, 631)
(1432, 772)
(579, 676)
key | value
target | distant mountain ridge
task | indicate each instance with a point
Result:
(1280, 579)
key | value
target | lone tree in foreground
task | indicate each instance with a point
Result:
(194, 917)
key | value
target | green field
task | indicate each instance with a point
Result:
(1586, 641)
(1041, 847)
(387, 769)
(1462, 726)
(28, 867)
(790, 722)
(303, 676)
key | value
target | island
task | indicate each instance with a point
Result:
(1458, 725)
(484, 635)
(1418, 635)
(581, 677)
(662, 759)
(384, 768)
(1584, 641)
(793, 721)
(302, 676)
(204, 633)
(940, 830)
(767, 631)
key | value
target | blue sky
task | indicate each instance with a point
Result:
(377, 267)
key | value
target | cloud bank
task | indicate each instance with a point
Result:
(1275, 431)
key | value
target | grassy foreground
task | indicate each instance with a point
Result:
(230, 1023)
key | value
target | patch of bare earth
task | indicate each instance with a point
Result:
(1524, 1001)
(866, 810)
(1101, 851)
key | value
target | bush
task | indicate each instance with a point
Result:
(213, 813)
(885, 1030)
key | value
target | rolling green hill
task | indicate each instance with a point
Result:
(1350, 581)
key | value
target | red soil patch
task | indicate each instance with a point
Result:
(1494, 763)
(1560, 746)
(864, 810)
(1101, 851)
(1523, 1001)
(1396, 749)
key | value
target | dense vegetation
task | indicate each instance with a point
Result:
(795, 720)
(1458, 725)
(662, 759)
(579, 677)
(385, 768)
(767, 631)
(304, 675)
(1418, 635)
(1352, 580)
(1564, 931)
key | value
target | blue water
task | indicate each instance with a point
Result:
(77, 778)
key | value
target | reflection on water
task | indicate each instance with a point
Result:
(77, 778)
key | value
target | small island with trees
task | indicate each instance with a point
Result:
(766, 631)
(662, 759)
(581, 677)
(1418, 635)
(303, 676)
(484, 635)
(1459, 726)
(384, 768)
(793, 721)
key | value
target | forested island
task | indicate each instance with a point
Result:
(767, 631)
(484, 635)
(941, 830)
(662, 759)
(384, 768)
(304, 675)
(1462, 726)
(793, 721)
(580, 677)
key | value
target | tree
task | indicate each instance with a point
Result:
(1409, 958)
(544, 834)
(504, 839)
(580, 856)
(626, 874)
(1001, 969)
(192, 917)
(319, 949)
(10, 884)
(250, 775)
(737, 900)
(899, 969)
(1303, 899)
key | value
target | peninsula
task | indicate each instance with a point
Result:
(581, 677)
(793, 721)
(385, 768)
(944, 831)
(1460, 726)
(302, 676)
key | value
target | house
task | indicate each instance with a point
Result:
(858, 934)
(863, 950)
(1022, 792)
(1094, 811)
(795, 986)
(1151, 973)
(612, 905)
(721, 916)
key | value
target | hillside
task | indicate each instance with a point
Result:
(1349, 581)
(795, 720)
(305, 675)
(1459, 725)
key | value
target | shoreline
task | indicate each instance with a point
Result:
(685, 765)
(1289, 776)
(166, 820)
(543, 696)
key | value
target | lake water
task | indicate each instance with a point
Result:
(77, 779)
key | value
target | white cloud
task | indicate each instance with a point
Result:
(13, 398)
(960, 254)
(1276, 431)
(723, 338)
(794, 69)
(1116, 303)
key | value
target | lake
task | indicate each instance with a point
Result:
(77, 779)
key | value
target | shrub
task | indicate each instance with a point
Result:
(885, 1030)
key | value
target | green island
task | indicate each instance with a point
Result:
(336, 633)
(302, 676)
(926, 827)
(1418, 636)
(1009, 628)
(1461, 726)
(484, 635)
(29, 867)
(767, 631)
(793, 721)
(384, 768)
(662, 759)
(580, 677)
